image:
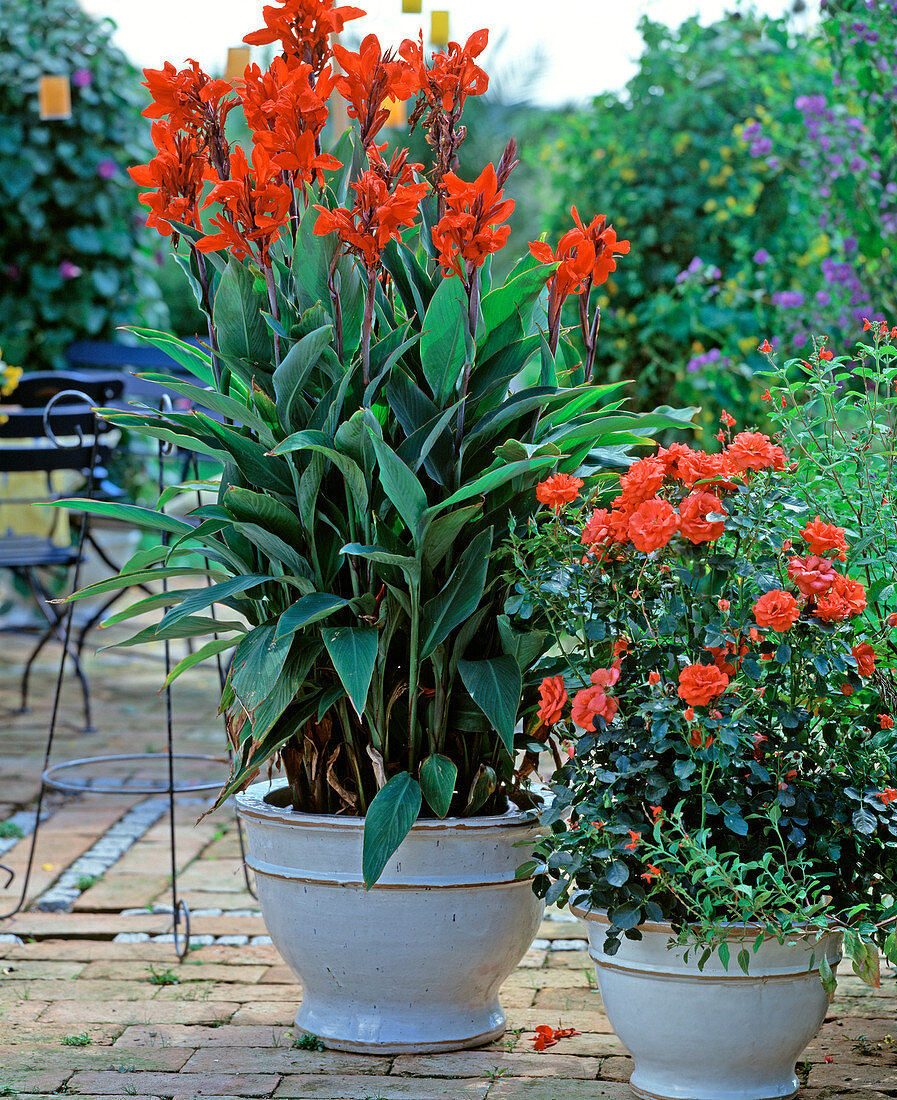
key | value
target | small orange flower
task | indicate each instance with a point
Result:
(651, 873)
(846, 689)
(826, 355)
(652, 525)
(633, 841)
(701, 684)
(653, 678)
(885, 721)
(776, 610)
(765, 348)
(723, 605)
(553, 696)
(864, 655)
(825, 539)
(559, 490)
(888, 795)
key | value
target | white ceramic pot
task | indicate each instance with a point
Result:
(413, 964)
(712, 1034)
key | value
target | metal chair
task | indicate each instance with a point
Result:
(53, 430)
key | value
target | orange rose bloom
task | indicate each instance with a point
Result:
(825, 539)
(553, 697)
(865, 658)
(558, 490)
(642, 481)
(751, 451)
(652, 525)
(776, 610)
(701, 684)
(713, 471)
(597, 530)
(843, 600)
(693, 522)
(812, 575)
(589, 703)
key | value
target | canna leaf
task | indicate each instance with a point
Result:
(388, 820)
(460, 596)
(495, 685)
(437, 781)
(353, 651)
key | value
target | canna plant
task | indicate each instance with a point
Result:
(380, 411)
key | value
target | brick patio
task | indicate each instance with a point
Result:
(219, 1025)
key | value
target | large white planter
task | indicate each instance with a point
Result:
(712, 1034)
(413, 964)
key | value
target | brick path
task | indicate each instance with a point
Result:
(93, 1002)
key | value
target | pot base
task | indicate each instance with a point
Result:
(390, 1046)
(645, 1094)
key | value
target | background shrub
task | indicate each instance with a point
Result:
(76, 260)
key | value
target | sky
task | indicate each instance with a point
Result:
(587, 46)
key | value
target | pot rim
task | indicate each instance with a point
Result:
(252, 803)
(737, 931)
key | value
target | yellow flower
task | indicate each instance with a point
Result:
(628, 174)
(9, 377)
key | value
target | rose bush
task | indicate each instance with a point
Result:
(730, 755)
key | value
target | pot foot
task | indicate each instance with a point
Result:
(348, 1031)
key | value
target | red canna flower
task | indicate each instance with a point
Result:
(469, 230)
(195, 102)
(303, 28)
(255, 207)
(553, 698)
(449, 80)
(559, 490)
(177, 172)
(286, 108)
(369, 77)
(386, 200)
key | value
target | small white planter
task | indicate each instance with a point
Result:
(413, 964)
(712, 1034)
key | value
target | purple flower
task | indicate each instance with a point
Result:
(715, 273)
(761, 256)
(68, 270)
(695, 266)
(761, 147)
(788, 299)
(82, 78)
(850, 244)
(750, 131)
(823, 297)
(107, 169)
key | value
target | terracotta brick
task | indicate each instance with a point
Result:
(616, 1069)
(514, 1089)
(568, 1000)
(556, 978)
(138, 1036)
(231, 991)
(72, 1013)
(22, 970)
(115, 892)
(854, 1078)
(284, 1060)
(56, 1057)
(187, 972)
(32, 1080)
(475, 1063)
(593, 1020)
(266, 1012)
(384, 1088)
(79, 990)
(102, 1084)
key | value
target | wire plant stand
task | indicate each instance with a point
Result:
(63, 776)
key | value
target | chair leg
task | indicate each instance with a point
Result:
(54, 619)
